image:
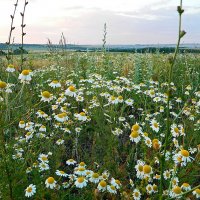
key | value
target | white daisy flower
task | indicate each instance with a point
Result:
(46, 96)
(70, 162)
(25, 76)
(71, 91)
(55, 84)
(81, 182)
(61, 173)
(94, 178)
(30, 190)
(102, 186)
(154, 125)
(196, 193)
(136, 194)
(50, 183)
(112, 189)
(149, 189)
(10, 68)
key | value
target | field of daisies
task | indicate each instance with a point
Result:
(83, 126)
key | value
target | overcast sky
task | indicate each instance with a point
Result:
(81, 21)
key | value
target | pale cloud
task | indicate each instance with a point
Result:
(129, 21)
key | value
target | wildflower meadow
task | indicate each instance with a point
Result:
(99, 125)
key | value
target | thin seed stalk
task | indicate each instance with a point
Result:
(162, 166)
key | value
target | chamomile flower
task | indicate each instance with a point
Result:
(60, 141)
(71, 91)
(175, 130)
(43, 166)
(148, 141)
(25, 76)
(135, 136)
(116, 183)
(167, 174)
(102, 186)
(149, 189)
(71, 162)
(61, 173)
(46, 96)
(196, 193)
(3, 85)
(79, 98)
(30, 190)
(94, 178)
(81, 182)
(175, 192)
(139, 169)
(22, 124)
(42, 128)
(136, 194)
(155, 125)
(185, 187)
(43, 158)
(10, 68)
(50, 183)
(113, 100)
(147, 170)
(129, 102)
(81, 116)
(61, 117)
(81, 171)
(112, 189)
(55, 84)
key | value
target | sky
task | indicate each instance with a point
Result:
(82, 21)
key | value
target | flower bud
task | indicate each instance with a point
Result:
(182, 33)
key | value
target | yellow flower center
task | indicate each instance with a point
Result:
(177, 190)
(62, 172)
(103, 183)
(146, 134)
(81, 179)
(82, 164)
(55, 81)
(112, 98)
(140, 168)
(118, 182)
(95, 175)
(44, 158)
(197, 191)
(71, 88)
(155, 125)
(186, 185)
(22, 122)
(112, 187)
(134, 134)
(120, 97)
(71, 160)
(185, 153)
(155, 187)
(29, 189)
(81, 169)
(135, 127)
(25, 72)
(136, 194)
(11, 66)
(146, 169)
(50, 180)
(82, 114)
(2, 84)
(176, 130)
(46, 94)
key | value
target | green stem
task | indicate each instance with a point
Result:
(162, 167)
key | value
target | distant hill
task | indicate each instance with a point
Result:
(164, 48)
